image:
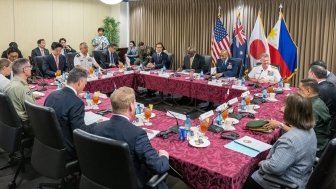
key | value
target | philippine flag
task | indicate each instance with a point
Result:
(283, 50)
(258, 42)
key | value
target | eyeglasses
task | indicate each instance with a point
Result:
(27, 67)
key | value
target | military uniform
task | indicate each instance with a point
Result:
(271, 74)
(18, 91)
(143, 53)
(85, 61)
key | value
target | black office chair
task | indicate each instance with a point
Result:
(207, 66)
(170, 62)
(323, 176)
(11, 136)
(49, 152)
(97, 54)
(107, 163)
(70, 60)
(38, 65)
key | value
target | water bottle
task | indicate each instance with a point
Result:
(63, 77)
(138, 109)
(264, 96)
(280, 84)
(59, 85)
(187, 126)
(219, 118)
(164, 69)
(201, 74)
(88, 98)
(243, 104)
(243, 81)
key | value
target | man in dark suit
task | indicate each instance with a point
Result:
(55, 61)
(225, 66)
(69, 108)
(192, 60)
(147, 161)
(66, 48)
(109, 58)
(40, 50)
(11, 45)
(327, 92)
(159, 58)
(330, 76)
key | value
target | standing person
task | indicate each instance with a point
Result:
(132, 52)
(100, 42)
(40, 50)
(292, 156)
(5, 70)
(66, 48)
(55, 61)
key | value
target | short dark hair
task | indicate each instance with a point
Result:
(62, 39)
(159, 43)
(55, 45)
(13, 44)
(299, 112)
(39, 41)
(141, 43)
(18, 65)
(319, 63)
(12, 49)
(113, 45)
(100, 29)
(76, 74)
(310, 83)
(319, 71)
(133, 42)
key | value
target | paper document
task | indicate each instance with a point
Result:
(91, 117)
(151, 133)
(253, 143)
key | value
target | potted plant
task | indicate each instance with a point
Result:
(111, 27)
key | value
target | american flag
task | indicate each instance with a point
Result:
(220, 40)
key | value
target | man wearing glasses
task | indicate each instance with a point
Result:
(18, 90)
(159, 58)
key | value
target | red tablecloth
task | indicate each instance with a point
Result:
(214, 166)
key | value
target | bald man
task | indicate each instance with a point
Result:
(192, 60)
(225, 66)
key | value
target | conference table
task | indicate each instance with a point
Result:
(211, 167)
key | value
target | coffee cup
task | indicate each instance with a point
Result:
(287, 85)
(272, 95)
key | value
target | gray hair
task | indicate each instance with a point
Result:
(76, 75)
(19, 64)
(264, 55)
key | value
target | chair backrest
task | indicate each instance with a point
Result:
(97, 54)
(10, 125)
(239, 62)
(324, 173)
(170, 60)
(70, 60)
(39, 61)
(207, 60)
(105, 163)
(49, 152)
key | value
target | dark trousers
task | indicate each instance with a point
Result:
(251, 184)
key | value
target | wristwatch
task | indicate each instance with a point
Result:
(280, 126)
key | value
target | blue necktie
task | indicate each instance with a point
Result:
(111, 58)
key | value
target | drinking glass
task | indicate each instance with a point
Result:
(91, 70)
(225, 114)
(148, 114)
(95, 98)
(151, 106)
(248, 100)
(204, 127)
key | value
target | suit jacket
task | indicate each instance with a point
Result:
(69, 109)
(105, 61)
(198, 63)
(327, 93)
(146, 159)
(49, 67)
(332, 78)
(161, 60)
(229, 69)
(36, 52)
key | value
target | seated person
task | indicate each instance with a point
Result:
(100, 42)
(109, 58)
(265, 73)
(327, 92)
(132, 52)
(5, 70)
(330, 76)
(40, 50)
(145, 54)
(192, 60)
(12, 55)
(11, 45)
(83, 59)
(66, 48)
(18, 91)
(147, 161)
(225, 67)
(159, 58)
(55, 61)
(292, 156)
(69, 108)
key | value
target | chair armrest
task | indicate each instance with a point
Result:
(72, 166)
(156, 179)
(280, 182)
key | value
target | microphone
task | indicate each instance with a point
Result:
(177, 123)
(257, 82)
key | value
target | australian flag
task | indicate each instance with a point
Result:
(239, 43)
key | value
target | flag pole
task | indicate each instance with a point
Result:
(280, 9)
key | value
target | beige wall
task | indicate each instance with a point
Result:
(26, 21)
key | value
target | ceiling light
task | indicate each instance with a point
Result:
(111, 2)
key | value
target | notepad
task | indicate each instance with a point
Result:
(248, 146)
(91, 117)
